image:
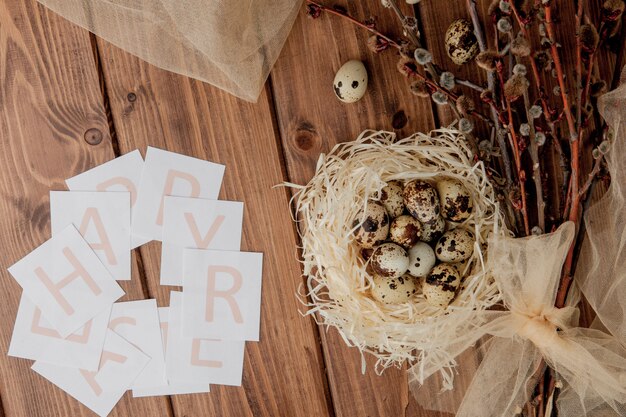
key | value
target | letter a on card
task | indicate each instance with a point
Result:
(171, 174)
(65, 279)
(222, 294)
(197, 224)
(120, 174)
(103, 219)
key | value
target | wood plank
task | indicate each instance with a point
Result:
(311, 120)
(284, 373)
(50, 103)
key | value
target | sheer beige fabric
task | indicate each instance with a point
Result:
(231, 44)
(589, 363)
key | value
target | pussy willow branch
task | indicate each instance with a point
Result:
(495, 115)
(517, 157)
(356, 22)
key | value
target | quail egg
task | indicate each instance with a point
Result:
(421, 259)
(441, 285)
(405, 231)
(374, 227)
(391, 197)
(455, 200)
(433, 230)
(389, 260)
(350, 81)
(421, 200)
(455, 246)
(395, 290)
(461, 43)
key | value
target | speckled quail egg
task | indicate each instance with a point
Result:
(455, 246)
(389, 260)
(392, 198)
(405, 231)
(441, 285)
(374, 227)
(395, 290)
(433, 230)
(422, 201)
(350, 81)
(421, 259)
(455, 200)
(461, 43)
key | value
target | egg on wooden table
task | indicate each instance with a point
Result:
(441, 285)
(421, 200)
(433, 230)
(389, 260)
(391, 196)
(405, 231)
(460, 41)
(395, 290)
(455, 246)
(372, 225)
(350, 81)
(455, 200)
(422, 259)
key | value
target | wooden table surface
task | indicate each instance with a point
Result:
(70, 101)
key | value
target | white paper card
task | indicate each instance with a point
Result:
(101, 390)
(198, 224)
(67, 281)
(103, 219)
(169, 388)
(34, 338)
(138, 323)
(222, 294)
(120, 174)
(168, 173)
(200, 360)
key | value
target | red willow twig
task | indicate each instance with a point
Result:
(356, 22)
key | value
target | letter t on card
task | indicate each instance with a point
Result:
(222, 294)
(168, 173)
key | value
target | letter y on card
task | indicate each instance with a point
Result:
(65, 279)
(120, 174)
(103, 219)
(168, 173)
(222, 294)
(197, 223)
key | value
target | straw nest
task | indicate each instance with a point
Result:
(337, 286)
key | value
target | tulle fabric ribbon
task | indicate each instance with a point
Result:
(231, 44)
(590, 364)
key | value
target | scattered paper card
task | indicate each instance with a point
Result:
(120, 364)
(169, 388)
(200, 224)
(200, 360)
(167, 173)
(67, 281)
(222, 294)
(138, 323)
(103, 219)
(34, 338)
(120, 174)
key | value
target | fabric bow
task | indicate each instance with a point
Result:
(590, 363)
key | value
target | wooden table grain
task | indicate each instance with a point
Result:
(70, 101)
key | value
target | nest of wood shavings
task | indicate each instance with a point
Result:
(337, 290)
